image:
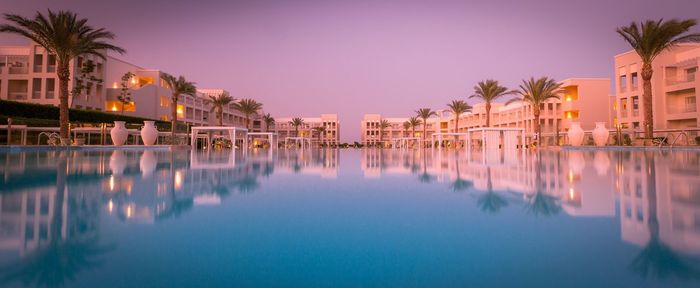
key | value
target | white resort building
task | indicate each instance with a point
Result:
(310, 129)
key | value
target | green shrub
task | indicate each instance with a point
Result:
(31, 113)
(626, 140)
(37, 111)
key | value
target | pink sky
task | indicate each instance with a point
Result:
(304, 58)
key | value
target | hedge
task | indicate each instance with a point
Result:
(26, 111)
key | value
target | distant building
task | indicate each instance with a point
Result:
(586, 100)
(330, 122)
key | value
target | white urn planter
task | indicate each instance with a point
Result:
(119, 133)
(149, 133)
(575, 134)
(148, 163)
(600, 134)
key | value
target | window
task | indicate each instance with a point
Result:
(164, 101)
(50, 88)
(623, 83)
(690, 104)
(690, 74)
(36, 88)
(635, 103)
(635, 81)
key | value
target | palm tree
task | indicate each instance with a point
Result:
(296, 122)
(536, 93)
(248, 107)
(458, 107)
(65, 35)
(320, 130)
(654, 38)
(415, 122)
(406, 126)
(269, 121)
(178, 86)
(489, 91)
(218, 103)
(383, 125)
(425, 113)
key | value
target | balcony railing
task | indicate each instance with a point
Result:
(51, 68)
(37, 68)
(18, 70)
(50, 94)
(17, 96)
(36, 94)
(684, 109)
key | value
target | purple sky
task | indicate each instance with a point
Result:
(304, 58)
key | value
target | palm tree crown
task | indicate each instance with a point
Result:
(269, 121)
(296, 122)
(248, 107)
(218, 103)
(536, 92)
(65, 35)
(406, 125)
(415, 122)
(382, 126)
(424, 113)
(649, 41)
(489, 91)
(458, 107)
(178, 86)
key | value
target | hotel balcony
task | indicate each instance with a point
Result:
(17, 96)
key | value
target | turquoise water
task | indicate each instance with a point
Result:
(350, 218)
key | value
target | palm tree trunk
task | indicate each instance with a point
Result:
(63, 79)
(488, 114)
(247, 121)
(424, 131)
(647, 72)
(536, 126)
(221, 115)
(173, 118)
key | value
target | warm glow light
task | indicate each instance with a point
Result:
(571, 176)
(568, 98)
(571, 193)
(178, 180)
(568, 115)
(114, 108)
(180, 109)
(110, 206)
(133, 80)
(111, 183)
(114, 85)
(129, 211)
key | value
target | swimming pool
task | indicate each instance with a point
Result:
(350, 218)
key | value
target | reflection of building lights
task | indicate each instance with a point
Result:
(571, 193)
(178, 180)
(110, 206)
(111, 183)
(128, 211)
(571, 176)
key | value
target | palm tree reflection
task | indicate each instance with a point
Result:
(657, 259)
(491, 201)
(540, 203)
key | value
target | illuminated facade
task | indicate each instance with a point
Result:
(674, 88)
(586, 100)
(329, 122)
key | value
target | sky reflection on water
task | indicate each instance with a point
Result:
(382, 218)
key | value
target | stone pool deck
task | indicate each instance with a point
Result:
(625, 148)
(33, 148)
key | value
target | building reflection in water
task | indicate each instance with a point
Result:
(658, 193)
(51, 203)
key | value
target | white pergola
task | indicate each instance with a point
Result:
(304, 141)
(403, 142)
(440, 137)
(491, 137)
(272, 137)
(232, 131)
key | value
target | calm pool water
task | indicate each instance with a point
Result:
(350, 218)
